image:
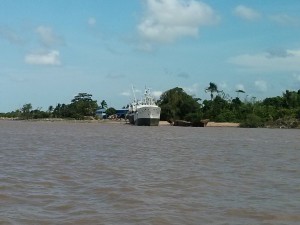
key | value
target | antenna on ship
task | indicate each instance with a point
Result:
(133, 93)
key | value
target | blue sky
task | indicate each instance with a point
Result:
(52, 50)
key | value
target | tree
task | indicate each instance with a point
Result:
(26, 111)
(111, 111)
(82, 105)
(213, 108)
(103, 104)
(252, 121)
(239, 91)
(50, 110)
(291, 99)
(176, 104)
(57, 111)
(212, 88)
(39, 114)
(276, 102)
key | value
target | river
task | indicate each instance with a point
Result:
(116, 174)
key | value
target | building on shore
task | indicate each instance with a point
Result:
(101, 113)
(120, 113)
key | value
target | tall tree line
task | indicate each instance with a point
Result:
(176, 104)
(279, 111)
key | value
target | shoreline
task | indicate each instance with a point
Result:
(223, 124)
(107, 121)
(123, 122)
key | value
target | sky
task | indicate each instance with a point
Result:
(51, 50)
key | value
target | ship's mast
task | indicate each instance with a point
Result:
(133, 93)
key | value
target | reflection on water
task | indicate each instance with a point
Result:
(90, 173)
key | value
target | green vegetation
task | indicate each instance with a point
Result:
(103, 104)
(176, 104)
(111, 111)
(280, 111)
(212, 88)
(81, 107)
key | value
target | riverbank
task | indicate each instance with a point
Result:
(161, 123)
(275, 125)
(215, 124)
(107, 121)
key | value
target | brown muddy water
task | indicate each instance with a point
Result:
(92, 173)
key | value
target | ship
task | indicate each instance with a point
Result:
(144, 112)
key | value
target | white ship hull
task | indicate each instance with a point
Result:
(145, 116)
(144, 112)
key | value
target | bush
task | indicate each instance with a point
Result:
(111, 111)
(194, 117)
(252, 121)
(226, 116)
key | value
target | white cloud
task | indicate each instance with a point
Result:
(240, 87)
(92, 21)
(138, 94)
(156, 94)
(10, 35)
(133, 92)
(223, 85)
(183, 75)
(193, 90)
(126, 93)
(167, 20)
(145, 47)
(278, 53)
(261, 85)
(115, 76)
(269, 61)
(285, 20)
(246, 13)
(43, 58)
(297, 77)
(47, 36)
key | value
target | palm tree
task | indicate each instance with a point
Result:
(239, 91)
(212, 88)
(50, 109)
(103, 104)
(26, 110)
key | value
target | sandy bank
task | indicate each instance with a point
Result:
(106, 121)
(214, 124)
(164, 123)
(209, 124)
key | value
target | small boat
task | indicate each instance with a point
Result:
(144, 112)
(184, 123)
